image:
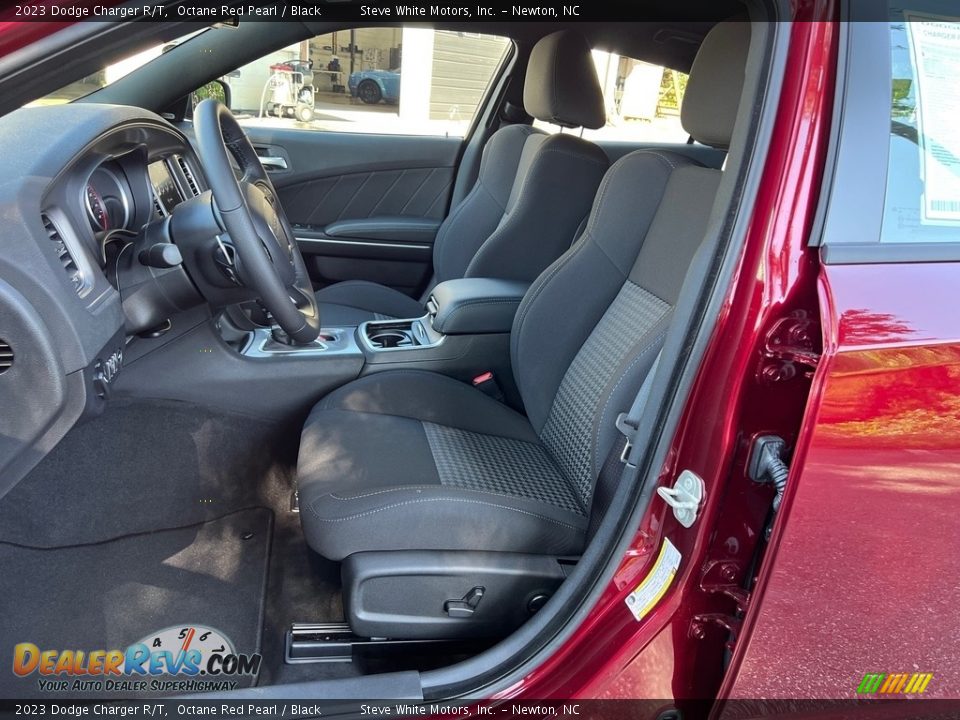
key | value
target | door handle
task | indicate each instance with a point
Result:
(273, 162)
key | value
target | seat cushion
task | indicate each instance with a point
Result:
(349, 303)
(412, 460)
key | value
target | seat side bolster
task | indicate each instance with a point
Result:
(554, 190)
(472, 221)
(438, 518)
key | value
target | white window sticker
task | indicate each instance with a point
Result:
(655, 585)
(935, 55)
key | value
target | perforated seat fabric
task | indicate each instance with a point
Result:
(532, 192)
(414, 460)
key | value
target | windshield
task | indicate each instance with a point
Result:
(110, 73)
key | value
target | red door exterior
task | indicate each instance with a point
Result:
(864, 573)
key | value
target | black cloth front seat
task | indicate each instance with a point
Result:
(408, 459)
(532, 193)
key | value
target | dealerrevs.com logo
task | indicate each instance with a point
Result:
(177, 659)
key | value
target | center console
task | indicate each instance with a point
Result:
(229, 361)
(465, 331)
(469, 306)
(465, 328)
(393, 335)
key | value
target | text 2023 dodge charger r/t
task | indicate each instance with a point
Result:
(614, 360)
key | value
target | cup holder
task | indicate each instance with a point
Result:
(396, 335)
(389, 338)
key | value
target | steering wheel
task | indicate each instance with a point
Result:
(268, 259)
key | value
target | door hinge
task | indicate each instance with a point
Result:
(700, 623)
(721, 576)
(792, 341)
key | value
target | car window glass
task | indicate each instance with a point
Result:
(404, 80)
(642, 101)
(110, 73)
(922, 202)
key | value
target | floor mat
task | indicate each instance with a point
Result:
(147, 465)
(109, 594)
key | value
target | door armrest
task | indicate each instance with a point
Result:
(399, 229)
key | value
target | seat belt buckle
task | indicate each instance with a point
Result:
(626, 429)
(487, 384)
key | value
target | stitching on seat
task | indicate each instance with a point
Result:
(523, 310)
(441, 238)
(534, 292)
(324, 403)
(663, 157)
(524, 195)
(585, 239)
(407, 488)
(608, 183)
(425, 500)
(404, 488)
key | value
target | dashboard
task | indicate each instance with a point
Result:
(112, 201)
(84, 186)
(108, 198)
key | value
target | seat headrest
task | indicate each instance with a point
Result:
(712, 97)
(561, 86)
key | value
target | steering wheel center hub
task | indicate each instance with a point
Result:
(276, 240)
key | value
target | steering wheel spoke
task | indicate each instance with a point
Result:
(265, 253)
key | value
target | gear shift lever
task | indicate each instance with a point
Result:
(281, 337)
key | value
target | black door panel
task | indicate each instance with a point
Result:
(414, 192)
(398, 184)
(390, 228)
(403, 264)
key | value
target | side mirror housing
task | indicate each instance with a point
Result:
(214, 89)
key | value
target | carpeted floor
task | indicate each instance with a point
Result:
(132, 523)
(148, 465)
(111, 594)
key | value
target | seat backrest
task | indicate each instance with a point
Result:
(591, 325)
(533, 189)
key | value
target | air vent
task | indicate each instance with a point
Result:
(157, 206)
(63, 253)
(6, 356)
(188, 174)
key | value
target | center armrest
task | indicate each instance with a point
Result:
(475, 305)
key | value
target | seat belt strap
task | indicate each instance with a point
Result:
(628, 422)
(613, 468)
